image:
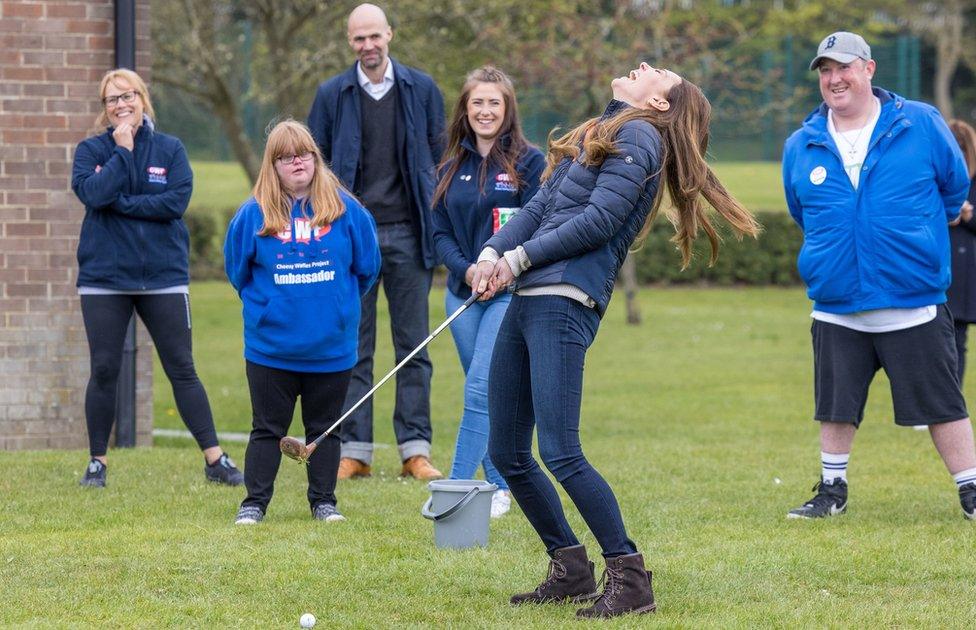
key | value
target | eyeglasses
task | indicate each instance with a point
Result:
(125, 97)
(288, 159)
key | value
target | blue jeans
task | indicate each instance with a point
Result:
(406, 283)
(536, 382)
(474, 335)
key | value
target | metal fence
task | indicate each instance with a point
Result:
(749, 122)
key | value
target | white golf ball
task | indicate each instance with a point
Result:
(307, 620)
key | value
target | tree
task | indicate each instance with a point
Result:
(237, 54)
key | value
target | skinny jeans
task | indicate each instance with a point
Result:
(167, 318)
(474, 333)
(536, 383)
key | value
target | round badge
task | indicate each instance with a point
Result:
(818, 175)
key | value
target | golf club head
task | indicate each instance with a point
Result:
(294, 448)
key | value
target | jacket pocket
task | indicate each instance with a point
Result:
(97, 252)
(827, 264)
(908, 258)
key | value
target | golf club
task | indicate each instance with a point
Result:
(298, 450)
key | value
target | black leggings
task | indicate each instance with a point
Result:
(273, 396)
(167, 317)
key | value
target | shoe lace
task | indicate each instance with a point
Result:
(557, 571)
(611, 582)
(825, 495)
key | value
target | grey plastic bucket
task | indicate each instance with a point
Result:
(461, 510)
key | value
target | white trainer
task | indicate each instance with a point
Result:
(501, 502)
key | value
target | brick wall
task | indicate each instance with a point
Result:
(52, 55)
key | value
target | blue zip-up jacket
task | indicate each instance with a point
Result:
(578, 227)
(301, 288)
(335, 122)
(467, 216)
(133, 237)
(885, 244)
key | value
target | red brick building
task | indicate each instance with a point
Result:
(52, 55)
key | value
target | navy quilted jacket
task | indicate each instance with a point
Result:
(577, 229)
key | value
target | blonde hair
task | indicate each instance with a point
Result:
(684, 171)
(286, 138)
(135, 82)
(966, 137)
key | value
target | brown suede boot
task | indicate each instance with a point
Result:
(350, 468)
(419, 467)
(570, 579)
(627, 589)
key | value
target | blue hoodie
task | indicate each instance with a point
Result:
(133, 237)
(467, 216)
(885, 244)
(301, 288)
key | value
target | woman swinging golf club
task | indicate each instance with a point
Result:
(300, 253)
(563, 251)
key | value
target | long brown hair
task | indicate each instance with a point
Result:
(966, 137)
(135, 82)
(686, 174)
(290, 137)
(505, 153)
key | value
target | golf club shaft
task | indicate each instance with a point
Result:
(471, 300)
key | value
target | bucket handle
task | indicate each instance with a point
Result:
(451, 511)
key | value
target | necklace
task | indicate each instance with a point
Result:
(852, 145)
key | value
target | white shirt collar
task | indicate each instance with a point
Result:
(366, 83)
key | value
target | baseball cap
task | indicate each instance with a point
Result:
(842, 47)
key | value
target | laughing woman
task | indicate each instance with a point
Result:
(133, 255)
(563, 251)
(489, 172)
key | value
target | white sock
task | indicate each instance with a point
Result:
(965, 476)
(833, 466)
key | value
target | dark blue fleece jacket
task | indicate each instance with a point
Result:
(133, 237)
(468, 215)
(578, 227)
(301, 288)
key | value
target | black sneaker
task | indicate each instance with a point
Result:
(967, 497)
(327, 512)
(249, 515)
(831, 499)
(94, 475)
(224, 471)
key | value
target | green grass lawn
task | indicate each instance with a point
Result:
(758, 185)
(699, 418)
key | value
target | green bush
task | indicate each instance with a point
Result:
(207, 230)
(768, 260)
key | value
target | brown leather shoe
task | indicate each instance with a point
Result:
(419, 467)
(350, 468)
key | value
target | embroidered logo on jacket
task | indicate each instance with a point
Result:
(504, 182)
(157, 174)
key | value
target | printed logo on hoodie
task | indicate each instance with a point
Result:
(303, 232)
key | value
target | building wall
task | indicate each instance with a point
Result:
(52, 55)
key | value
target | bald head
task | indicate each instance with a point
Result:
(369, 36)
(367, 13)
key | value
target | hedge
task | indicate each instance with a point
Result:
(768, 260)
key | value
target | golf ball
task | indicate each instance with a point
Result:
(307, 620)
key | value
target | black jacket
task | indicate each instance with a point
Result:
(962, 291)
